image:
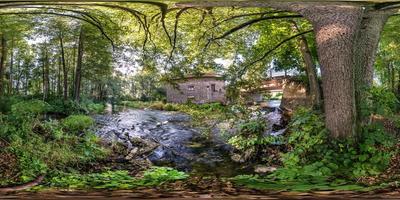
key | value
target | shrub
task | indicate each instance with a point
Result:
(68, 107)
(170, 107)
(30, 108)
(314, 156)
(40, 147)
(7, 102)
(380, 101)
(157, 106)
(77, 123)
(95, 108)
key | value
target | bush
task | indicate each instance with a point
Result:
(95, 108)
(314, 156)
(68, 107)
(380, 101)
(170, 107)
(77, 123)
(157, 106)
(30, 108)
(7, 102)
(50, 149)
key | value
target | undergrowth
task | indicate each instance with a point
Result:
(316, 161)
(114, 180)
(39, 146)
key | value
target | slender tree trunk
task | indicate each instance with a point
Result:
(2, 62)
(78, 73)
(311, 70)
(59, 88)
(19, 76)
(10, 84)
(45, 69)
(392, 77)
(74, 57)
(398, 83)
(64, 68)
(26, 82)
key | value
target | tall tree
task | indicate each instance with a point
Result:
(78, 71)
(3, 62)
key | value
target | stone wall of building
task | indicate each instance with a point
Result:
(294, 96)
(197, 90)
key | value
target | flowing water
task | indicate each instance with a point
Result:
(179, 145)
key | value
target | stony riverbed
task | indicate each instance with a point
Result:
(167, 139)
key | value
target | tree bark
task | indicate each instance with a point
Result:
(78, 73)
(398, 83)
(336, 29)
(59, 88)
(2, 62)
(10, 77)
(365, 55)
(311, 71)
(45, 71)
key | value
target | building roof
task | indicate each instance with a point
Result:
(205, 75)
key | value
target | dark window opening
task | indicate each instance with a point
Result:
(213, 88)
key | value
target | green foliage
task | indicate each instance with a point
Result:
(77, 123)
(7, 102)
(30, 108)
(65, 107)
(70, 107)
(44, 146)
(105, 180)
(160, 175)
(116, 179)
(315, 156)
(251, 135)
(317, 162)
(95, 108)
(262, 183)
(380, 101)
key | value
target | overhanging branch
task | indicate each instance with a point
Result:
(244, 69)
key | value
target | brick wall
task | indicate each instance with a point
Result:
(197, 90)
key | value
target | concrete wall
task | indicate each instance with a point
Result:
(197, 90)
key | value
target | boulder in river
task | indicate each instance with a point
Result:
(260, 169)
(140, 147)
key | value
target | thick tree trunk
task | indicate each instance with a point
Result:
(64, 69)
(365, 54)
(78, 73)
(2, 62)
(336, 29)
(311, 71)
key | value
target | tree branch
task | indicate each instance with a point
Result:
(65, 15)
(244, 69)
(251, 22)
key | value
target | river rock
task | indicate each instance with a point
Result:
(264, 169)
(140, 147)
